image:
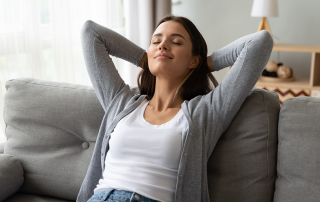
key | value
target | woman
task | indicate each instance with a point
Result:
(154, 145)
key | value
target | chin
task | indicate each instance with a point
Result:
(155, 70)
(163, 70)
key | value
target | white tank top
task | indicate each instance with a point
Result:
(144, 158)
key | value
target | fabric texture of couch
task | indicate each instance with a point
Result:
(269, 153)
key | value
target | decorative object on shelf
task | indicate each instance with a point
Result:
(272, 66)
(271, 69)
(299, 86)
(264, 9)
(284, 71)
(269, 74)
(277, 72)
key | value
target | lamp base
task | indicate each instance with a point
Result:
(264, 25)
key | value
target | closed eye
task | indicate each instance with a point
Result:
(159, 42)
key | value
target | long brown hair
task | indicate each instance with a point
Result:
(197, 81)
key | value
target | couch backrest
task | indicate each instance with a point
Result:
(51, 129)
(242, 166)
(298, 164)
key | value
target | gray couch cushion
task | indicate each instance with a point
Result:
(299, 151)
(19, 197)
(242, 166)
(51, 129)
(11, 176)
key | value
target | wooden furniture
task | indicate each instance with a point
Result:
(264, 24)
(300, 86)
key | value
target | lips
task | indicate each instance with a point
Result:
(163, 55)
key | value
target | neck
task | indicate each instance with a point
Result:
(162, 99)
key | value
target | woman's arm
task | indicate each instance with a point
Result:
(97, 43)
(248, 57)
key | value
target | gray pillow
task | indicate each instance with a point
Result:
(22, 197)
(242, 166)
(11, 176)
(51, 128)
(298, 164)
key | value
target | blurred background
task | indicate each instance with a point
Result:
(41, 38)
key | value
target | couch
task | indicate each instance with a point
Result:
(268, 153)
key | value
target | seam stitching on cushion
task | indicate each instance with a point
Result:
(295, 100)
(51, 85)
(279, 142)
(268, 135)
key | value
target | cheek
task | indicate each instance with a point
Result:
(150, 53)
(182, 59)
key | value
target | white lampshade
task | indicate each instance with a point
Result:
(264, 8)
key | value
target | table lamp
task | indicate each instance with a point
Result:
(264, 9)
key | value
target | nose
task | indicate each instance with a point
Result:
(163, 45)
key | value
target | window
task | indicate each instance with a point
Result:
(41, 39)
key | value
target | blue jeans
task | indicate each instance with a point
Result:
(119, 196)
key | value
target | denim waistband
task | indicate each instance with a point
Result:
(121, 196)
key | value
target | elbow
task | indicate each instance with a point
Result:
(266, 40)
(86, 27)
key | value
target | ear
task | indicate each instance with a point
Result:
(195, 61)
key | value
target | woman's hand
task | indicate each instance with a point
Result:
(209, 61)
(144, 60)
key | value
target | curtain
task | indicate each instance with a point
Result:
(41, 38)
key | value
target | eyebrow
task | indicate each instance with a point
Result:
(174, 34)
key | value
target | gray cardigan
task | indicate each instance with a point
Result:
(208, 115)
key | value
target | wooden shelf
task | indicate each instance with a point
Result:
(288, 47)
(298, 83)
(276, 79)
(307, 48)
(301, 86)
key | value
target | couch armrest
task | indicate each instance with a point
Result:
(2, 147)
(11, 176)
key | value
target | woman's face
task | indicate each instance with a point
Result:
(172, 39)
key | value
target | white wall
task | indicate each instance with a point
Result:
(223, 21)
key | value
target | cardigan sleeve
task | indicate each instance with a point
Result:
(248, 57)
(97, 43)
